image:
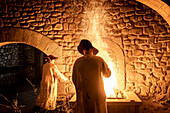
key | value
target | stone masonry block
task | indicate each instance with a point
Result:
(52, 45)
(139, 77)
(134, 18)
(128, 14)
(2, 36)
(148, 17)
(125, 31)
(56, 14)
(143, 36)
(168, 46)
(148, 30)
(160, 29)
(140, 41)
(67, 53)
(1, 22)
(131, 76)
(26, 37)
(38, 29)
(30, 20)
(58, 4)
(77, 20)
(140, 65)
(48, 27)
(58, 26)
(145, 47)
(43, 43)
(126, 9)
(72, 26)
(65, 26)
(70, 20)
(138, 52)
(130, 67)
(50, 6)
(145, 71)
(65, 15)
(36, 38)
(58, 51)
(167, 77)
(54, 20)
(17, 14)
(67, 38)
(11, 35)
(140, 12)
(158, 74)
(19, 34)
(144, 90)
(145, 59)
(141, 24)
(156, 46)
(136, 31)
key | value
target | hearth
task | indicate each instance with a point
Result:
(130, 103)
(124, 102)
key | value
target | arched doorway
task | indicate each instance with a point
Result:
(21, 65)
(32, 38)
(20, 75)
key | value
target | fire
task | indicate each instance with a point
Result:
(97, 18)
(110, 83)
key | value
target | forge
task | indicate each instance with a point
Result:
(118, 99)
(111, 50)
(123, 102)
(128, 103)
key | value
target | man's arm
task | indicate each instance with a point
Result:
(60, 75)
(74, 75)
(76, 78)
(105, 69)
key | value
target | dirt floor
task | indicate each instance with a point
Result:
(24, 98)
(21, 96)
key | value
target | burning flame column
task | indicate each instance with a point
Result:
(97, 18)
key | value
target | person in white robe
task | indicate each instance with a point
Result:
(47, 97)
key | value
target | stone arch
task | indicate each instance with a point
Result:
(32, 38)
(162, 8)
(118, 55)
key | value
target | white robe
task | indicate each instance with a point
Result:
(48, 87)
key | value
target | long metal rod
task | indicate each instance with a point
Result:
(30, 82)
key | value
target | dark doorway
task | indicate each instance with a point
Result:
(20, 68)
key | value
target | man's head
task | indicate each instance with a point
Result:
(50, 58)
(86, 45)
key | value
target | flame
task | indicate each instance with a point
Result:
(110, 83)
(96, 16)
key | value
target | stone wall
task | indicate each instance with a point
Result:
(145, 37)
